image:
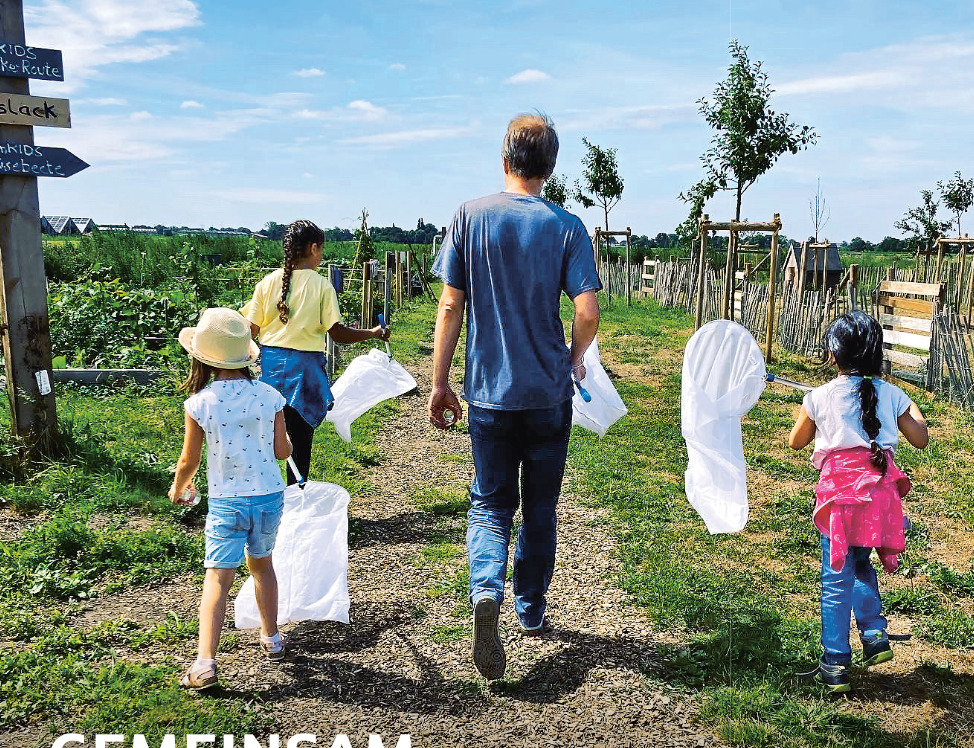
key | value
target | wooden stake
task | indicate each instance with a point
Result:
(701, 273)
(23, 300)
(772, 283)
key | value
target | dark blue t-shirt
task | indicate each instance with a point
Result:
(513, 255)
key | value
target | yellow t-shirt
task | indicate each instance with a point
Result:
(313, 306)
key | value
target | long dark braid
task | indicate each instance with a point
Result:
(298, 237)
(855, 341)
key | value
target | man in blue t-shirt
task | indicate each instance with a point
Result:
(506, 259)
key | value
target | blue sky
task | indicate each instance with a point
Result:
(238, 113)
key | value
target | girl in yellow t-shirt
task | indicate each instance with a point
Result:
(293, 310)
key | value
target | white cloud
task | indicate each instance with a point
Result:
(875, 80)
(367, 110)
(529, 76)
(261, 195)
(405, 137)
(104, 101)
(309, 73)
(140, 116)
(92, 33)
(190, 104)
(397, 66)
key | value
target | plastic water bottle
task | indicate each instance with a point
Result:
(189, 497)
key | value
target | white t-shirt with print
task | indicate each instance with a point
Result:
(237, 417)
(837, 414)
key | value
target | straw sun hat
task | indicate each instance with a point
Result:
(221, 339)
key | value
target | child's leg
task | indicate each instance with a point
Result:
(265, 584)
(866, 603)
(837, 589)
(213, 609)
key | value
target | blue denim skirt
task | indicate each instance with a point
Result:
(301, 377)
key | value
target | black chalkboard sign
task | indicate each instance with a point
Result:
(20, 61)
(23, 160)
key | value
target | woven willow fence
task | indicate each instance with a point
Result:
(803, 315)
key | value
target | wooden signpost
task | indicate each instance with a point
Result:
(21, 159)
(34, 110)
(20, 61)
(25, 326)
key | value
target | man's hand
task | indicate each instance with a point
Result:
(442, 401)
(578, 371)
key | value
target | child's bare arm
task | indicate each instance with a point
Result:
(913, 426)
(802, 432)
(282, 442)
(189, 460)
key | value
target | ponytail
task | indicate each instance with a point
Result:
(297, 238)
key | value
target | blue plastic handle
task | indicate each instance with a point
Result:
(582, 391)
(382, 322)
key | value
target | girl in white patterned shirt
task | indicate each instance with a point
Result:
(242, 422)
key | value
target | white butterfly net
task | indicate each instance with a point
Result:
(723, 377)
(310, 559)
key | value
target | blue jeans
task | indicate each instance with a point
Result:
(519, 456)
(852, 590)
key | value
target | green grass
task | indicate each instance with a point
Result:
(747, 601)
(100, 522)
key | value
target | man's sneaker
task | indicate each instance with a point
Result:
(833, 677)
(876, 649)
(538, 630)
(487, 649)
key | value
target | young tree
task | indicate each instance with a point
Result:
(819, 209)
(556, 190)
(958, 195)
(600, 180)
(750, 136)
(920, 224)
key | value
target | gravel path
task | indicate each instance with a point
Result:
(403, 665)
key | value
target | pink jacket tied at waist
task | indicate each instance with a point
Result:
(859, 507)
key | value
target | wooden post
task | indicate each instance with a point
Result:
(701, 271)
(958, 285)
(628, 271)
(366, 317)
(940, 259)
(23, 300)
(772, 282)
(853, 285)
(409, 277)
(390, 268)
(725, 300)
(331, 343)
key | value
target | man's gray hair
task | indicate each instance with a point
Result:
(531, 146)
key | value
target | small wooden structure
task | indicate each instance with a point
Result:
(907, 311)
(814, 265)
(730, 269)
(648, 285)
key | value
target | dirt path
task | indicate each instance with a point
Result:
(403, 665)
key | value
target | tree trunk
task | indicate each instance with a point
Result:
(605, 208)
(740, 195)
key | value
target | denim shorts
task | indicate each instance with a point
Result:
(240, 522)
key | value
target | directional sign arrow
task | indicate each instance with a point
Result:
(22, 160)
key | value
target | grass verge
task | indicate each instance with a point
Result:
(748, 601)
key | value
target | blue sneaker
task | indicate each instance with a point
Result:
(875, 648)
